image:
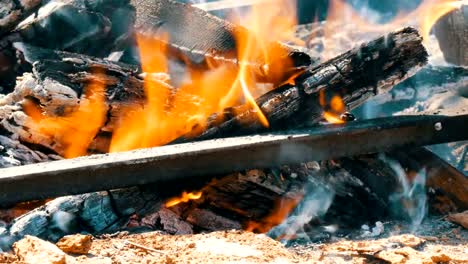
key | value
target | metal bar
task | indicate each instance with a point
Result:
(228, 4)
(213, 157)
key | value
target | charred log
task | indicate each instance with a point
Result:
(231, 202)
(87, 27)
(58, 82)
(451, 33)
(355, 76)
(249, 200)
(13, 12)
(178, 25)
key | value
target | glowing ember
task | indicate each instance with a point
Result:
(282, 209)
(185, 197)
(333, 109)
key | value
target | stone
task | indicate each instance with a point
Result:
(460, 218)
(75, 244)
(35, 250)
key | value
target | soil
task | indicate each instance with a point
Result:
(246, 247)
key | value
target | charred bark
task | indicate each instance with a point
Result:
(178, 25)
(452, 34)
(13, 12)
(57, 84)
(88, 27)
(239, 200)
(355, 76)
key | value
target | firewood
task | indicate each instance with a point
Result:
(400, 52)
(178, 25)
(234, 201)
(229, 202)
(355, 76)
(451, 34)
(13, 12)
(87, 27)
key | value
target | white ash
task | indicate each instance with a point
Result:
(376, 231)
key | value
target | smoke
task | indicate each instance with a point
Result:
(411, 201)
(316, 202)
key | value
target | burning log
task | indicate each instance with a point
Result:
(178, 25)
(398, 55)
(354, 76)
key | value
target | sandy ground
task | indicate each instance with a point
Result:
(233, 247)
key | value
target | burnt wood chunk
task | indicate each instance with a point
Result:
(12, 12)
(89, 27)
(245, 200)
(57, 84)
(452, 33)
(355, 76)
(202, 37)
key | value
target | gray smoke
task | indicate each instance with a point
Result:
(316, 202)
(411, 201)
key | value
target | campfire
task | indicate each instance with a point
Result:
(193, 119)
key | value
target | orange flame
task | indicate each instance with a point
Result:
(185, 197)
(172, 112)
(76, 130)
(281, 210)
(168, 113)
(333, 109)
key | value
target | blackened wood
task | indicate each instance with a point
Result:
(202, 37)
(228, 202)
(232, 201)
(207, 158)
(13, 12)
(448, 186)
(58, 82)
(355, 76)
(452, 34)
(88, 27)
(14, 153)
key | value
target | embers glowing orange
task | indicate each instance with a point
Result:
(332, 109)
(281, 210)
(185, 197)
(75, 131)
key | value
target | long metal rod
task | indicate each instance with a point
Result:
(228, 4)
(214, 157)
